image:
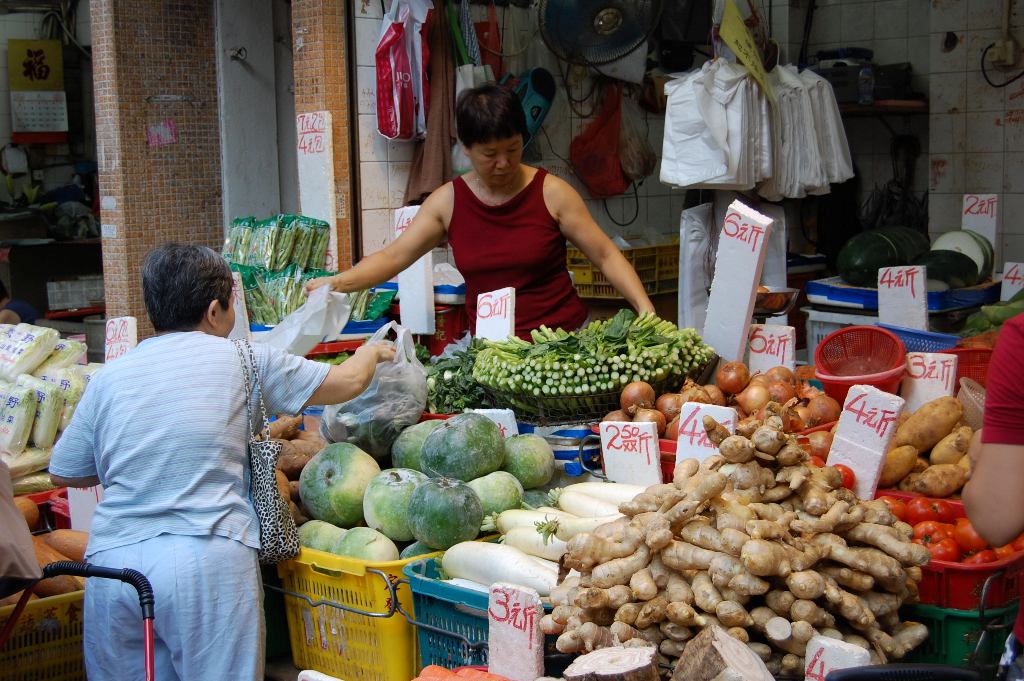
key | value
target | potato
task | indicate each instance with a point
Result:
(899, 462)
(953, 447)
(292, 464)
(942, 480)
(920, 465)
(907, 483)
(929, 424)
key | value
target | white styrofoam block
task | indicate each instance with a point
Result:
(930, 375)
(903, 296)
(1013, 280)
(122, 334)
(514, 637)
(496, 314)
(738, 266)
(310, 675)
(416, 283)
(631, 453)
(981, 215)
(771, 345)
(693, 442)
(825, 655)
(505, 418)
(867, 425)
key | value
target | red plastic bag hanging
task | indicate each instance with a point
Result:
(595, 153)
(488, 35)
(396, 108)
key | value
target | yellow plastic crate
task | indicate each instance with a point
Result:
(46, 644)
(345, 644)
(657, 267)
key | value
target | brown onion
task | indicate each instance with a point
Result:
(794, 422)
(753, 398)
(732, 377)
(806, 391)
(781, 391)
(693, 392)
(672, 430)
(669, 404)
(823, 409)
(803, 412)
(821, 443)
(781, 373)
(715, 395)
(636, 395)
(652, 415)
(759, 379)
(617, 415)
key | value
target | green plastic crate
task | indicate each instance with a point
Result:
(954, 635)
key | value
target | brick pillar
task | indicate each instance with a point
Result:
(154, 68)
(321, 84)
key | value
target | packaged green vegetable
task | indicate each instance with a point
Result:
(284, 241)
(286, 291)
(65, 353)
(261, 310)
(32, 483)
(305, 235)
(32, 460)
(19, 412)
(90, 370)
(262, 243)
(320, 240)
(71, 383)
(236, 244)
(49, 404)
(380, 302)
(24, 348)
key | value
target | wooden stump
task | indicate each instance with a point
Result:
(614, 664)
(714, 654)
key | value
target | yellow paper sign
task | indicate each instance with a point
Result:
(35, 65)
(737, 36)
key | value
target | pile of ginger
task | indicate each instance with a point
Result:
(754, 539)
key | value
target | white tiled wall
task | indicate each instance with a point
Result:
(897, 31)
(977, 131)
(384, 165)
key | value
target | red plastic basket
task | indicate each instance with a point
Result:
(858, 351)
(836, 387)
(959, 586)
(971, 363)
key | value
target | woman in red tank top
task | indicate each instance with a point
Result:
(506, 223)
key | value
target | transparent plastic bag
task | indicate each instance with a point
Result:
(65, 353)
(19, 412)
(24, 348)
(394, 400)
(636, 155)
(49, 404)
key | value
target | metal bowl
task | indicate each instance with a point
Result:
(775, 302)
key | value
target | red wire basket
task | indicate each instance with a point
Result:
(859, 351)
(971, 363)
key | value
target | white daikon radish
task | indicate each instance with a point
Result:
(534, 542)
(488, 563)
(585, 505)
(567, 528)
(612, 492)
(518, 517)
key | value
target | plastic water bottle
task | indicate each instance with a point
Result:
(866, 86)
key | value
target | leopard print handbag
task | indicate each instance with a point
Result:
(279, 537)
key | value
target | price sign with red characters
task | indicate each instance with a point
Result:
(981, 215)
(930, 375)
(416, 283)
(630, 452)
(693, 442)
(903, 297)
(771, 345)
(867, 424)
(496, 314)
(122, 334)
(825, 655)
(1013, 280)
(504, 418)
(514, 637)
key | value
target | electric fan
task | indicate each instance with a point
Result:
(593, 32)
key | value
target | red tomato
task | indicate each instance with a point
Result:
(920, 509)
(966, 536)
(1018, 543)
(898, 508)
(946, 549)
(818, 461)
(1004, 552)
(981, 557)
(848, 476)
(931, 532)
(946, 510)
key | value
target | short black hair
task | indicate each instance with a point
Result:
(3, 291)
(487, 113)
(178, 283)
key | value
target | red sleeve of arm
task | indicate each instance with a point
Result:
(1004, 390)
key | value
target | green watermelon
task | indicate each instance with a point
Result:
(951, 267)
(386, 502)
(464, 447)
(332, 484)
(316, 534)
(367, 544)
(498, 491)
(864, 254)
(910, 243)
(971, 244)
(417, 548)
(444, 512)
(408, 446)
(529, 458)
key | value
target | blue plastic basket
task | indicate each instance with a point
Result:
(451, 622)
(922, 341)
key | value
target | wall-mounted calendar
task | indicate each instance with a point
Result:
(39, 109)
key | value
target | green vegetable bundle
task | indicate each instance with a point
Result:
(257, 303)
(991, 317)
(451, 387)
(601, 358)
(236, 245)
(310, 242)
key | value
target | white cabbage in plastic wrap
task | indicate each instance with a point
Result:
(65, 353)
(32, 460)
(24, 348)
(72, 386)
(89, 370)
(16, 418)
(49, 403)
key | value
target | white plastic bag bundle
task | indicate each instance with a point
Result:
(16, 418)
(49, 403)
(65, 353)
(394, 400)
(322, 316)
(24, 348)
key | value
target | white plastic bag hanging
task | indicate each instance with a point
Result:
(322, 316)
(394, 400)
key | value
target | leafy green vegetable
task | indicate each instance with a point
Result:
(451, 387)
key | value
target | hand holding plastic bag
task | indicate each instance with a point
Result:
(322, 315)
(394, 400)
